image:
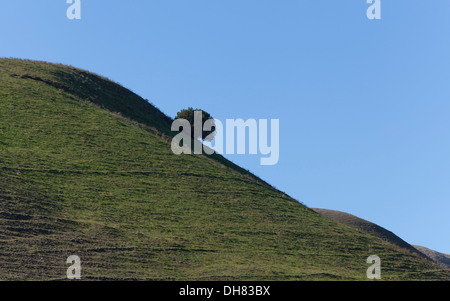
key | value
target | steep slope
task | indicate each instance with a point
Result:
(85, 170)
(440, 258)
(368, 227)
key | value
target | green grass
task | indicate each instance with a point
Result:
(86, 169)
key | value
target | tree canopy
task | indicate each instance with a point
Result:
(189, 115)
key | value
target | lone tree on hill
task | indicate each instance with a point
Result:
(189, 115)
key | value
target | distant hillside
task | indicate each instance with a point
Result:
(369, 228)
(86, 169)
(440, 258)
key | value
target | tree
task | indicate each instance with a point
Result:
(189, 115)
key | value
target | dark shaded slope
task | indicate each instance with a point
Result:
(76, 179)
(440, 258)
(369, 228)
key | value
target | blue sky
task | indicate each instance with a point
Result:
(363, 105)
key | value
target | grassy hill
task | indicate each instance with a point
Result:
(440, 258)
(386, 235)
(369, 228)
(86, 169)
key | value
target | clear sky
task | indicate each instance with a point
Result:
(364, 105)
